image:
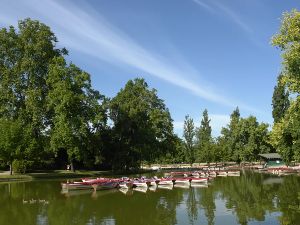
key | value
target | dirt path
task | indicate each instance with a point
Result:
(4, 173)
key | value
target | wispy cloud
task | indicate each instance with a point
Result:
(217, 6)
(204, 5)
(82, 29)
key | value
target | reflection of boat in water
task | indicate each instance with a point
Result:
(87, 192)
(126, 191)
(182, 185)
(77, 192)
(233, 173)
(153, 188)
(199, 185)
(142, 189)
(167, 186)
(100, 185)
(198, 180)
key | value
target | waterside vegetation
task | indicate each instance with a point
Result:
(51, 117)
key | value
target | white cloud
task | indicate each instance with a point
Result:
(204, 5)
(233, 16)
(82, 29)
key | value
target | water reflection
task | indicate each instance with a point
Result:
(251, 198)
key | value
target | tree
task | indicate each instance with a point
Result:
(204, 139)
(189, 135)
(285, 134)
(12, 141)
(229, 137)
(177, 155)
(75, 109)
(25, 55)
(280, 101)
(253, 139)
(142, 126)
(243, 139)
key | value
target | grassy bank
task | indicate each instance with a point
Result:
(63, 174)
(50, 175)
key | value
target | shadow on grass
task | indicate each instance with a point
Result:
(65, 174)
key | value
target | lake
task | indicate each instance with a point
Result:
(252, 198)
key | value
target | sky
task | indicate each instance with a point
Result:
(198, 54)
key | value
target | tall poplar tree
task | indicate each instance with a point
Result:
(204, 139)
(280, 100)
(189, 135)
(286, 133)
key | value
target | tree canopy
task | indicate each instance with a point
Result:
(142, 125)
(286, 131)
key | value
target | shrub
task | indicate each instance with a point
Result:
(19, 166)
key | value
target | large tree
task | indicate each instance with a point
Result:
(286, 132)
(75, 109)
(252, 139)
(142, 126)
(25, 55)
(189, 139)
(243, 139)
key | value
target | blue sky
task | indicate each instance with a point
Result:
(198, 54)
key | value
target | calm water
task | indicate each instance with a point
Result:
(249, 199)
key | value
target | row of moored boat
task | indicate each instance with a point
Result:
(128, 183)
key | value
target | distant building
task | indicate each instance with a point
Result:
(272, 160)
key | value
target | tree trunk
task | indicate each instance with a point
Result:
(10, 168)
(72, 166)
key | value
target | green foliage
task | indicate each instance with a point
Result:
(280, 101)
(229, 138)
(204, 139)
(12, 140)
(142, 126)
(244, 139)
(25, 55)
(178, 155)
(75, 108)
(288, 40)
(285, 134)
(19, 166)
(189, 142)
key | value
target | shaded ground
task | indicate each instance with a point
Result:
(5, 176)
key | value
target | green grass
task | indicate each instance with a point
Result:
(50, 175)
(63, 174)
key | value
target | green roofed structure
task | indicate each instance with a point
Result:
(272, 159)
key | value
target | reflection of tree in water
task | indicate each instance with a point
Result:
(247, 196)
(151, 208)
(289, 201)
(250, 197)
(207, 201)
(192, 205)
(14, 211)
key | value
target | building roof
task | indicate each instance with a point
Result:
(270, 156)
